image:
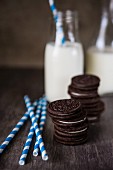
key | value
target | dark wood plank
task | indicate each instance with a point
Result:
(97, 153)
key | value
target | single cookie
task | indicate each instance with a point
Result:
(68, 123)
(97, 108)
(85, 101)
(71, 122)
(72, 129)
(74, 115)
(85, 81)
(71, 143)
(70, 134)
(81, 94)
(63, 107)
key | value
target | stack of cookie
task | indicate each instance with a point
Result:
(70, 121)
(84, 88)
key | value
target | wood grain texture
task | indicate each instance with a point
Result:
(96, 154)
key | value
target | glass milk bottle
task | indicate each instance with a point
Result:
(99, 58)
(63, 59)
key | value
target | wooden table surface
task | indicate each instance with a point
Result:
(96, 154)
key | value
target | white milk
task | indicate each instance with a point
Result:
(61, 64)
(100, 63)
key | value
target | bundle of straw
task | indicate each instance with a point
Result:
(40, 113)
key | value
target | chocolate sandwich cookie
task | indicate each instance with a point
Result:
(84, 97)
(75, 133)
(85, 82)
(64, 107)
(84, 88)
(93, 105)
(72, 131)
(70, 121)
(69, 138)
(81, 93)
(87, 100)
(68, 141)
(97, 108)
(66, 116)
(73, 122)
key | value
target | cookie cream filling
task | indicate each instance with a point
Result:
(92, 118)
(80, 94)
(78, 131)
(73, 122)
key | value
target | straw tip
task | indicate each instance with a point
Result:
(21, 162)
(25, 96)
(45, 157)
(35, 153)
(35, 103)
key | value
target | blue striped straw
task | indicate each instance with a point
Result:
(38, 111)
(36, 128)
(43, 115)
(29, 139)
(13, 132)
(41, 125)
(53, 9)
(59, 33)
(26, 146)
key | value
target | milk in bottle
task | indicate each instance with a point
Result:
(63, 61)
(61, 64)
(99, 58)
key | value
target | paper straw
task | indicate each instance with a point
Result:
(13, 132)
(41, 125)
(29, 138)
(53, 9)
(38, 111)
(27, 146)
(43, 116)
(60, 38)
(36, 128)
(69, 21)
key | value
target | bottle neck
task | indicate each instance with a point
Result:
(66, 26)
(105, 36)
(72, 26)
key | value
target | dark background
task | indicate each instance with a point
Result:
(24, 28)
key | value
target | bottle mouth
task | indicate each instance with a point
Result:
(71, 14)
(68, 15)
(66, 26)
